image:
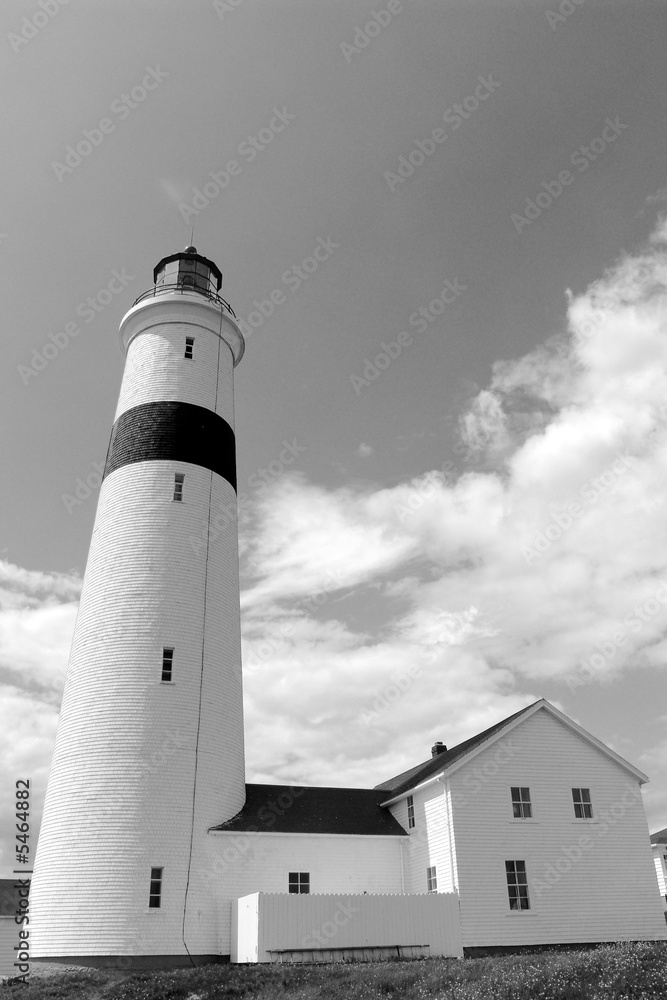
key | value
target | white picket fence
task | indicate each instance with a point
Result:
(288, 927)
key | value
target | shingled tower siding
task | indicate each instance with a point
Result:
(144, 766)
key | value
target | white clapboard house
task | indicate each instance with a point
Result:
(537, 826)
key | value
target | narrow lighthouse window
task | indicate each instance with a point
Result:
(167, 663)
(179, 479)
(189, 345)
(155, 895)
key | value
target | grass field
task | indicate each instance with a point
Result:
(615, 972)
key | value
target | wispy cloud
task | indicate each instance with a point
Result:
(308, 537)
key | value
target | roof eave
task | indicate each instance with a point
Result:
(307, 833)
(414, 788)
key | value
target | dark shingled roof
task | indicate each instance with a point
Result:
(293, 809)
(660, 837)
(9, 898)
(408, 779)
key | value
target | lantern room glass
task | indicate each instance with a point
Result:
(188, 272)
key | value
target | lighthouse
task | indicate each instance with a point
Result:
(149, 748)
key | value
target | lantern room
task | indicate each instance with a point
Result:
(187, 271)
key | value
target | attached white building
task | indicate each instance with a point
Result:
(536, 825)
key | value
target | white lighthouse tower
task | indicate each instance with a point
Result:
(149, 748)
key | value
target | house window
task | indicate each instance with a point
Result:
(155, 895)
(517, 885)
(431, 880)
(521, 807)
(411, 812)
(299, 881)
(179, 479)
(189, 345)
(581, 798)
(167, 663)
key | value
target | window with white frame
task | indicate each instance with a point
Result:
(179, 480)
(517, 885)
(189, 346)
(521, 805)
(299, 882)
(167, 663)
(583, 808)
(155, 892)
(431, 880)
(411, 812)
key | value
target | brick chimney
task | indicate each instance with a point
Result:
(437, 749)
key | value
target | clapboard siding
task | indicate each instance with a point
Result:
(239, 864)
(431, 841)
(156, 330)
(598, 889)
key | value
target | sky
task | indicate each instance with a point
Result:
(452, 422)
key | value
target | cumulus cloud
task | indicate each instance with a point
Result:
(23, 588)
(37, 613)
(312, 540)
(543, 562)
(660, 233)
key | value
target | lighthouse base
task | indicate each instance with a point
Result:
(132, 962)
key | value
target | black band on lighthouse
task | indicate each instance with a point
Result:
(175, 432)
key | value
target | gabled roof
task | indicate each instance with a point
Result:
(415, 776)
(290, 809)
(402, 783)
(660, 837)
